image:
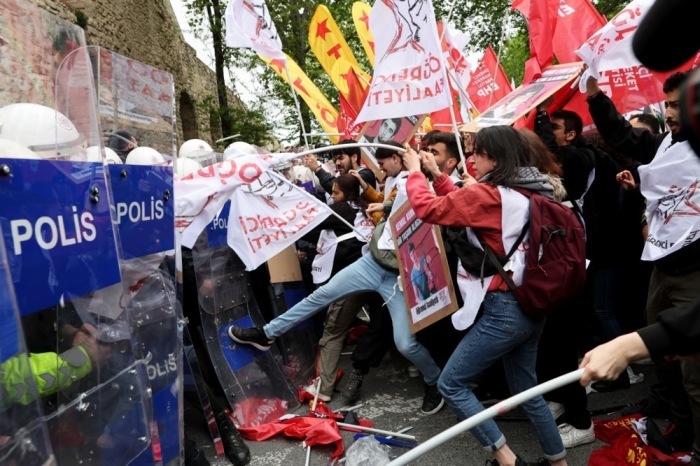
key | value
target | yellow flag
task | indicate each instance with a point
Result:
(329, 45)
(322, 109)
(360, 16)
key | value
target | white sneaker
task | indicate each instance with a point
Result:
(557, 409)
(311, 389)
(413, 371)
(573, 437)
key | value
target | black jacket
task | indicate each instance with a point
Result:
(576, 161)
(348, 251)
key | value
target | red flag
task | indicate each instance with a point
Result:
(313, 431)
(541, 16)
(577, 20)
(441, 120)
(556, 28)
(489, 82)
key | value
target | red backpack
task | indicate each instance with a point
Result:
(555, 268)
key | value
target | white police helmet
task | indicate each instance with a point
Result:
(193, 148)
(144, 156)
(93, 155)
(43, 130)
(14, 150)
(184, 166)
(239, 149)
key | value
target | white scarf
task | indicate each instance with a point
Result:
(671, 186)
(515, 213)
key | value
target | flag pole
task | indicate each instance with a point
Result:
(296, 103)
(462, 94)
(462, 159)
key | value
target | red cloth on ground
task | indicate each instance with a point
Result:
(625, 446)
(313, 431)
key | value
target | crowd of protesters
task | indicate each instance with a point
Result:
(597, 176)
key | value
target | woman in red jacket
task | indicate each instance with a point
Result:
(494, 213)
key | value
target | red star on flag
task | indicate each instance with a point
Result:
(322, 29)
(365, 19)
(277, 63)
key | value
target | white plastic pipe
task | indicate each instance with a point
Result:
(495, 410)
(375, 431)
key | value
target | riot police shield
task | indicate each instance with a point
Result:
(254, 381)
(24, 438)
(144, 206)
(65, 266)
(137, 99)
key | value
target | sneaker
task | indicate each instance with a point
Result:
(573, 437)
(351, 391)
(432, 401)
(413, 372)
(557, 409)
(250, 336)
(311, 390)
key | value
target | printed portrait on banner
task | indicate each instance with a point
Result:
(424, 274)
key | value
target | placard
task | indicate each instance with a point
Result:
(526, 97)
(425, 276)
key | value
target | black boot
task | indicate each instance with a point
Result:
(235, 448)
(193, 455)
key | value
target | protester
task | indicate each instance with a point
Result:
(675, 279)
(337, 247)
(366, 274)
(346, 159)
(504, 331)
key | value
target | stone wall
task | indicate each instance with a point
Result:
(148, 31)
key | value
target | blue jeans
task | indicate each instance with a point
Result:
(502, 332)
(363, 275)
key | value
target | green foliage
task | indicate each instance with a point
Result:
(250, 123)
(515, 53)
(81, 19)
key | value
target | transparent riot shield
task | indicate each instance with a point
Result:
(254, 381)
(138, 99)
(65, 268)
(24, 437)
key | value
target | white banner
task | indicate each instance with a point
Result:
(269, 215)
(457, 42)
(200, 196)
(670, 185)
(409, 76)
(249, 25)
(610, 48)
